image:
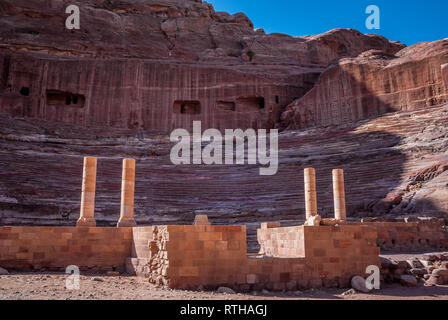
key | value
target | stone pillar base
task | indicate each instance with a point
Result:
(313, 221)
(122, 223)
(201, 220)
(86, 222)
(332, 222)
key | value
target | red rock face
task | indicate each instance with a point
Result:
(138, 64)
(138, 94)
(394, 165)
(152, 66)
(444, 68)
(373, 84)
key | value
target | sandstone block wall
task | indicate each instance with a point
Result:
(190, 256)
(331, 256)
(193, 255)
(341, 251)
(138, 262)
(329, 251)
(55, 248)
(288, 242)
(411, 236)
(183, 256)
(261, 272)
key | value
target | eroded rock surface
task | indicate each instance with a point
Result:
(372, 84)
(158, 65)
(136, 70)
(383, 161)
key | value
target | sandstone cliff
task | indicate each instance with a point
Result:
(158, 65)
(372, 84)
(138, 69)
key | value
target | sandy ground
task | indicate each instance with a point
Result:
(30, 286)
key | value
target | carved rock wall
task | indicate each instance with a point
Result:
(373, 84)
(148, 67)
(137, 94)
(131, 61)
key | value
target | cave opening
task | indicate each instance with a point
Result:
(186, 107)
(250, 103)
(25, 91)
(61, 98)
(226, 105)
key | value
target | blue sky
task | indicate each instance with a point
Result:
(409, 21)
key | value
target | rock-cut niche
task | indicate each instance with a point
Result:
(249, 103)
(242, 104)
(62, 98)
(186, 107)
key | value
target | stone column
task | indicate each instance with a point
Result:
(87, 214)
(339, 195)
(127, 194)
(310, 192)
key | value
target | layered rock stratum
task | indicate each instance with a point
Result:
(134, 64)
(136, 70)
(372, 84)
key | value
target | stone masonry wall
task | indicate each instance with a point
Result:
(210, 256)
(191, 256)
(55, 248)
(284, 242)
(411, 236)
(332, 255)
(183, 256)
